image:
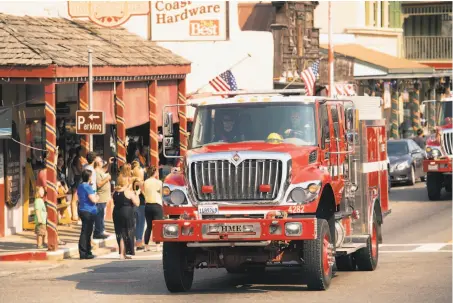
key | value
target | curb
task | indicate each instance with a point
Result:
(59, 255)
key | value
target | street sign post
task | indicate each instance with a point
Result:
(90, 122)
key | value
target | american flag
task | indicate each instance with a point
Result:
(224, 82)
(309, 76)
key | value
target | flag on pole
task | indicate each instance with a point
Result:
(309, 76)
(224, 82)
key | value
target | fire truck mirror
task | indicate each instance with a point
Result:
(350, 137)
(168, 124)
(350, 117)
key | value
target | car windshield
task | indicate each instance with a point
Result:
(265, 122)
(445, 114)
(397, 148)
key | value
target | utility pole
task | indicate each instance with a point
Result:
(331, 55)
(90, 90)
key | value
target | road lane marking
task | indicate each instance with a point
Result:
(430, 247)
(413, 244)
(414, 251)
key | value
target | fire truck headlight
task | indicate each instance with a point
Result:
(433, 153)
(177, 197)
(171, 230)
(305, 192)
(293, 228)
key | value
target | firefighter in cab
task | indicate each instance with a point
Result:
(228, 130)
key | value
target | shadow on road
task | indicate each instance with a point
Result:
(416, 193)
(126, 277)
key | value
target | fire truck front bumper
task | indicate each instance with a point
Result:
(235, 230)
(438, 166)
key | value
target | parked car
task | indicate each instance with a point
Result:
(406, 161)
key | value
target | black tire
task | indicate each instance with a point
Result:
(315, 254)
(367, 258)
(448, 186)
(411, 177)
(346, 263)
(434, 186)
(178, 272)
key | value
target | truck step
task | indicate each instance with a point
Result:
(349, 248)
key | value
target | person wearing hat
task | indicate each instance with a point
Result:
(104, 191)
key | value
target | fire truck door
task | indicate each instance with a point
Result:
(324, 134)
(336, 167)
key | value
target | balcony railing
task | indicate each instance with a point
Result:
(428, 48)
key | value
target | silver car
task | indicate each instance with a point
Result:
(406, 161)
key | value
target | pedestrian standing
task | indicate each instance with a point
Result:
(104, 191)
(153, 200)
(40, 217)
(91, 158)
(87, 213)
(420, 139)
(124, 199)
(137, 185)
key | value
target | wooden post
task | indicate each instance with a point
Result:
(83, 105)
(51, 142)
(182, 111)
(120, 125)
(153, 124)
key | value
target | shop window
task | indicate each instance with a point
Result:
(36, 138)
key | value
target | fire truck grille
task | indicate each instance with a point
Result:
(220, 180)
(448, 142)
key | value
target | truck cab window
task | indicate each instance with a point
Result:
(324, 123)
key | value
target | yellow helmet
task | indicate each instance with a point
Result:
(274, 138)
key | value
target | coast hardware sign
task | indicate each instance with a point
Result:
(107, 13)
(189, 20)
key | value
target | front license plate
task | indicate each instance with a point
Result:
(433, 167)
(208, 209)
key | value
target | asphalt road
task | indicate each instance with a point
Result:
(415, 266)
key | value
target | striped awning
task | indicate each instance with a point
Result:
(343, 89)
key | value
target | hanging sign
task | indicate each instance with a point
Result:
(189, 20)
(107, 13)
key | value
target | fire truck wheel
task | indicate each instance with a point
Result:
(367, 257)
(434, 186)
(318, 256)
(178, 272)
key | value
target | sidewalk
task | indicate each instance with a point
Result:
(22, 247)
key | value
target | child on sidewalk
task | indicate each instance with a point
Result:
(40, 217)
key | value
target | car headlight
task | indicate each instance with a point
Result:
(433, 152)
(403, 165)
(174, 195)
(170, 230)
(305, 192)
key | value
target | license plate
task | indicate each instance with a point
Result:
(433, 167)
(208, 209)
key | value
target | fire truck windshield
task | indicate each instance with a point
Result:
(293, 122)
(445, 112)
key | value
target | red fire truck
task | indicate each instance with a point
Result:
(439, 151)
(276, 179)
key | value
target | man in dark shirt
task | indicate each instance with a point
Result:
(228, 131)
(420, 139)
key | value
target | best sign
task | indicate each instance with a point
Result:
(90, 122)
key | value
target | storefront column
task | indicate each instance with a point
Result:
(415, 110)
(182, 111)
(153, 135)
(51, 142)
(394, 133)
(431, 106)
(120, 124)
(83, 105)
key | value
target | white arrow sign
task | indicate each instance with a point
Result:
(93, 117)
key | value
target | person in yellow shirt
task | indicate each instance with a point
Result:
(153, 202)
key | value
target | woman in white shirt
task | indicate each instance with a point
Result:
(153, 202)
